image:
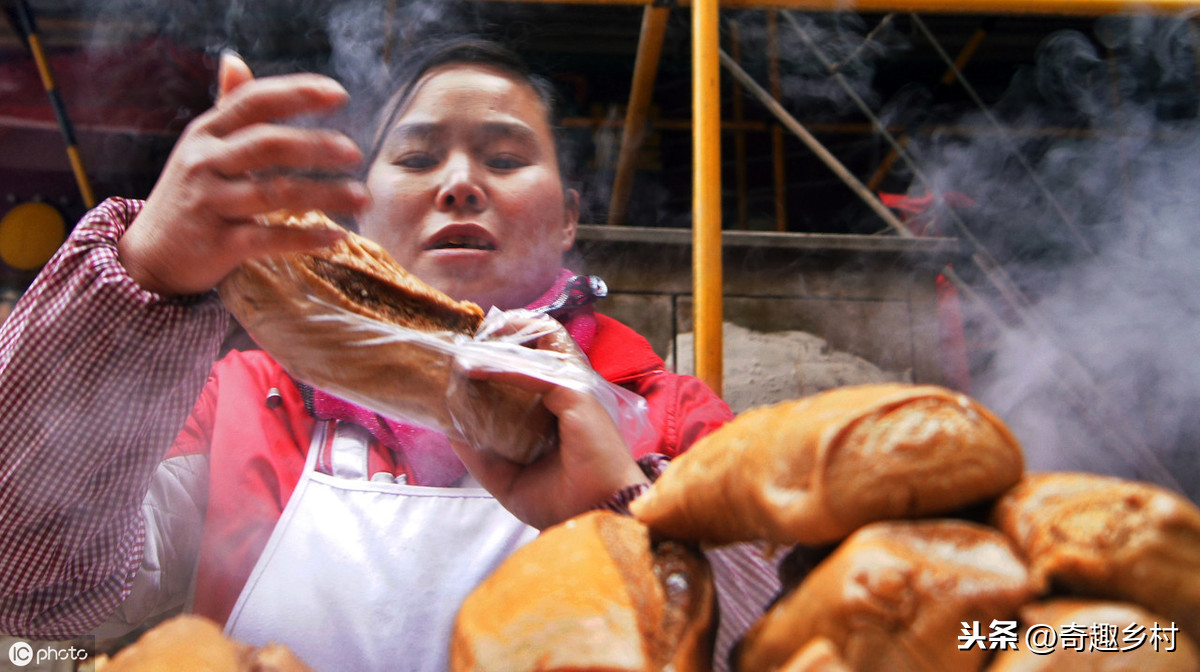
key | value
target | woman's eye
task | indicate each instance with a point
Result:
(416, 161)
(505, 162)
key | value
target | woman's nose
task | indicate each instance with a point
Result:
(460, 189)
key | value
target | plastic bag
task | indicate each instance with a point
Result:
(418, 376)
(503, 344)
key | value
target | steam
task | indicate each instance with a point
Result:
(1103, 373)
(842, 38)
(1111, 382)
(366, 38)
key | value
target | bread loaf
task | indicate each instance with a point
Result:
(196, 644)
(818, 655)
(893, 597)
(592, 593)
(1110, 538)
(812, 471)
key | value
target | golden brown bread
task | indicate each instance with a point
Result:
(818, 655)
(591, 593)
(196, 644)
(1121, 654)
(811, 471)
(893, 597)
(328, 317)
(360, 276)
(1110, 538)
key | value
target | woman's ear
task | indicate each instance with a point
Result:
(570, 218)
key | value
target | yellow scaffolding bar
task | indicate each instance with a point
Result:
(707, 277)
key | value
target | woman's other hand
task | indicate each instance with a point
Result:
(233, 163)
(590, 465)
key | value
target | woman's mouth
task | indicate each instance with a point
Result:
(466, 236)
(462, 243)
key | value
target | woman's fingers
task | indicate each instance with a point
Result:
(270, 240)
(236, 162)
(513, 378)
(273, 147)
(558, 399)
(271, 99)
(493, 472)
(232, 73)
(242, 199)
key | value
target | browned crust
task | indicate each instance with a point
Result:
(1109, 538)
(591, 593)
(813, 470)
(196, 644)
(689, 591)
(818, 655)
(373, 284)
(893, 597)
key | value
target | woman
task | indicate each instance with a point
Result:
(114, 344)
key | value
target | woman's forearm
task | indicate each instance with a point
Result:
(96, 378)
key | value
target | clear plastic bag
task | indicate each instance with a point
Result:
(535, 345)
(422, 377)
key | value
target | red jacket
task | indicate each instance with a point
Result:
(256, 453)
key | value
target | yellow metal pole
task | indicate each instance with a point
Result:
(25, 16)
(645, 69)
(706, 192)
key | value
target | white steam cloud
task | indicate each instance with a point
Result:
(1111, 383)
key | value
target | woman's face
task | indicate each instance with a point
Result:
(466, 191)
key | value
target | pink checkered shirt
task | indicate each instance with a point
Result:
(96, 379)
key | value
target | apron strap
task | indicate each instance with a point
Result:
(348, 451)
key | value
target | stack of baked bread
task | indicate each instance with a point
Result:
(909, 517)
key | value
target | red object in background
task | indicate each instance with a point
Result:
(922, 218)
(918, 212)
(952, 342)
(153, 85)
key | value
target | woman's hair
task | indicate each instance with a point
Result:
(461, 51)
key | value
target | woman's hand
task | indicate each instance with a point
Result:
(590, 465)
(233, 163)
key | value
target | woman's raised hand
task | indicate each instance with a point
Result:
(233, 163)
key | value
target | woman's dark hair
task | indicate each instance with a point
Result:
(461, 51)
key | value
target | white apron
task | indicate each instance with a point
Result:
(362, 575)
